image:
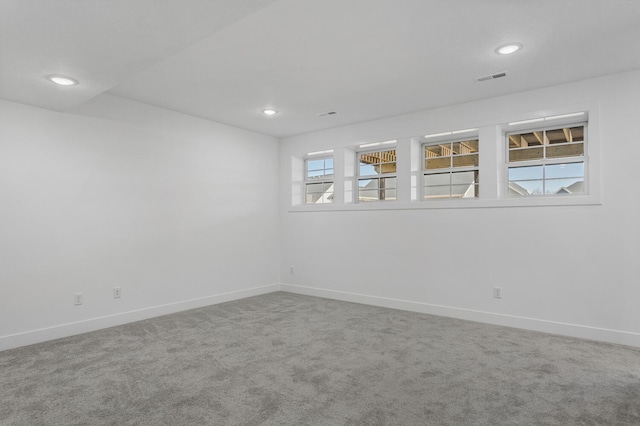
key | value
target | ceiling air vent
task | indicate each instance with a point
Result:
(492, 76)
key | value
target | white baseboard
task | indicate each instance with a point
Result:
(552, 327)
(65, 330)
(93, 324)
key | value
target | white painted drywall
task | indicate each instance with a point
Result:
(175, 210)
(566, 269)
(169, 208)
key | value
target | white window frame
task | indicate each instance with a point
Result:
(325, 198)
(493, 164)
(545, 161)
(451, 169)
(379, 176)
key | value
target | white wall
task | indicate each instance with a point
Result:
(169, 208)
(177, 211)
(570, 270)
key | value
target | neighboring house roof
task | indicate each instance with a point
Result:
(515, 189)
(574, 188)
(321, 197)
(327, 196)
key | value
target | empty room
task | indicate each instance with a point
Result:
(319, 212)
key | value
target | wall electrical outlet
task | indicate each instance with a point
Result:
(117, 292)
(497, 292)
(78, 299)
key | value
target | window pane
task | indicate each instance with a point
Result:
(437, 192)
(523, 173)
(315, 192)
(529, 187)
(369, 169)
(388, 194)
(432, 151)
(369, 163)
(327, 196)
(377, 189)
(465, 147)
(320, 174)
(526, 154)
(463, 191)
(524, 140)
(376, 163)
(319, 193)
(577, 134)
(370, 158)
(388, 182)
(465, 161)
(314, 188)
(388, 167)
(474, 191)
(567, 134)
(368, 184)
(565, 144)
(569, 150)
(451, 154)
(319, 168)
(315, 174)
(315, 164)
(368, 195)
(556, 136)
(564, 186)
(564, 170)
(438, 163)
(388, 156)
(437, 179)
(464, 178)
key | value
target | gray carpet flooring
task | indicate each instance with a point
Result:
(286, 359)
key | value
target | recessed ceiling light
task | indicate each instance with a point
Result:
(508, 49)
(269, 111)
(63, 81)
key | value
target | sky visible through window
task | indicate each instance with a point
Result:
(319, 168)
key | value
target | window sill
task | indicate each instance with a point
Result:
(542, 201)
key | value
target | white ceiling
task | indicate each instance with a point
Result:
(225, 60)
